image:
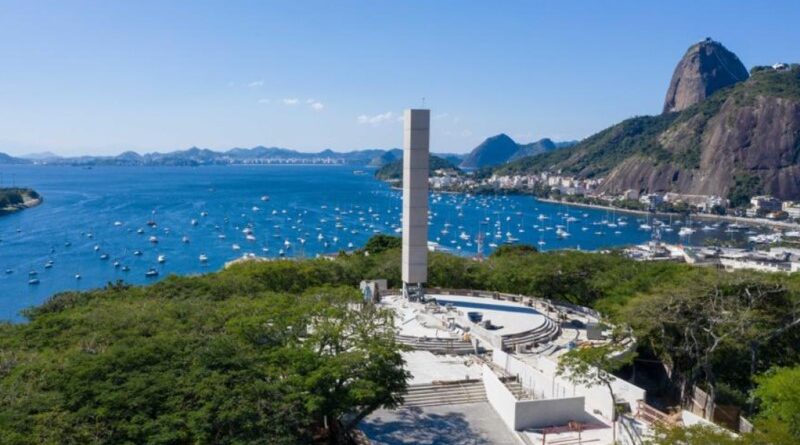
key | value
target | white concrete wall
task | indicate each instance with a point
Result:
(524, 414)
(544, 413)
(500, 397)
(538, 375)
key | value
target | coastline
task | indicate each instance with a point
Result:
(27, 204)
(703, 216)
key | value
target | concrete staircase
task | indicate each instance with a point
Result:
(451, 393)
(542, 334)
(437, 345)
(516, 388)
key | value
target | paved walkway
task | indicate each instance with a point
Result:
(467, 424)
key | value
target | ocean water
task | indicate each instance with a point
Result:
(92, 219)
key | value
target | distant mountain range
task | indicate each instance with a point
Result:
(500, 149)
(494, 151)
(722, 133)
(202, 156)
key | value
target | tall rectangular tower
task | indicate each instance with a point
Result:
(416, 146)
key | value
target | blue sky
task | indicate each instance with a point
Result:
(107, 76)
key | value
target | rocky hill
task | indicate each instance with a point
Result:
(394, 171)
(742, 140)
(500, 149)
(7, 159)
(706, 68)
(534, 148)
(386, 158)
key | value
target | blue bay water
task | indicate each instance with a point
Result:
(311, 210)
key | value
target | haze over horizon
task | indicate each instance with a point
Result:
(102, 78)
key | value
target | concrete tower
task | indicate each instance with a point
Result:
(416, 147)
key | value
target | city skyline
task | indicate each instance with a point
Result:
(101, 78)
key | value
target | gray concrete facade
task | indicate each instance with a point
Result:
(416, 147)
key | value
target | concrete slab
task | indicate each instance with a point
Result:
(467, 424)
(426, 367)
(510, 317)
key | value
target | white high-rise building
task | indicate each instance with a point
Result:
(416, 147)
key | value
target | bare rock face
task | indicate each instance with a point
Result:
(706, 67)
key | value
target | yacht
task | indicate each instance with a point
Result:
(151, 272)
(77, 276)
(162, 259)
(153, 239)
(185, 240)
(137, 253)
(685, 231)
(33, 281)
(236, 247)
(203, 258)
(104, 256)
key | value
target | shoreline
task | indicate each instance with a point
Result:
(27, 204)
(759, 222)
(703, 216)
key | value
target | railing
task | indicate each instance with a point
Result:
(652, 415)
(631, 435)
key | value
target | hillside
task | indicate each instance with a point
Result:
(533, 149)
(743, 136)
(386, 158)
(500, 149)
(706, 68)
(7, 159)
(495, 150)
(394, 170)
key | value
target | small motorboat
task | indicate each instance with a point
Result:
(151, 272)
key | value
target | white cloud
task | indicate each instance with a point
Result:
(256, 84)
(317, 106)
(378, 118)
(263, 101)
(290, 101)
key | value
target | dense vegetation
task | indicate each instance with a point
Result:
(14, 196)
(394, 170)
(228, 357)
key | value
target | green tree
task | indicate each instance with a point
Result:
(594, 366)
(778, 392)
(694, 435)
